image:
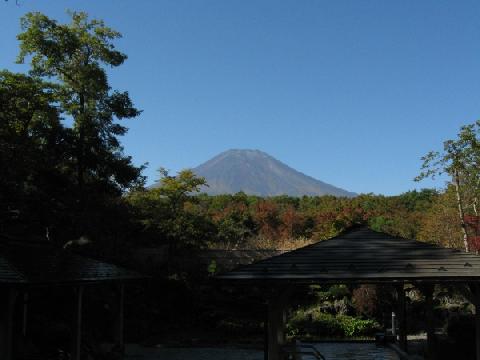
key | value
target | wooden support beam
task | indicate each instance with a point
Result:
(402, 317)
(275, 329)
(477, 323)
(475, 290)
(276, 322)
(6, 324)
(265, 330)
(119, 320)
(429, 320)
(24, 313)
(77, 324)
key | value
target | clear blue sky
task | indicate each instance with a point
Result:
(350, 92)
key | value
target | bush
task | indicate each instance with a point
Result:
(352, 326)
(365, 300)
(313, 323)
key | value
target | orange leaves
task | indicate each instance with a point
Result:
(267, 218)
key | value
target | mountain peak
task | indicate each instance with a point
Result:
(244, 153)
(258, 173)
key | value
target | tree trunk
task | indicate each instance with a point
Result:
(81, 120)
(80, 147)
(461, 212)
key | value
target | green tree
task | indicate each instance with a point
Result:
(34, 153)
(440, 223)
(75, 56)
(170, 212)
(234, 224)
(460, 159)
(178, 189)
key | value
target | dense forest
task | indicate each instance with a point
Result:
(66, 181)
(240, 221)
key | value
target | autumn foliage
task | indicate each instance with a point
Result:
(243, 221)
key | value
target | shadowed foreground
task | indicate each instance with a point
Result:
(337, 351)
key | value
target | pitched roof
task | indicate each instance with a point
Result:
(364, 255)
(41, 265)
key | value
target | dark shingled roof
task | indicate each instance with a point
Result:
(363, 255)
(42, 265)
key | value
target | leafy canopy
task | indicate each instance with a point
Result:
(34, 152)
(75, 57)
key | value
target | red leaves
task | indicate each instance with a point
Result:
(473, 229)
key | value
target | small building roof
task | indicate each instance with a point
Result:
(22, 264)
(365, 256)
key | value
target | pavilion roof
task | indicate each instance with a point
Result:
(364, 255)
(42, 265)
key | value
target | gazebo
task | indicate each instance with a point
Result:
(28, 266)
(362, 256)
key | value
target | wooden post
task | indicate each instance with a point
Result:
(402, 318)
(475, 290)
(6, 325)
(77, 324)
(266, 332)
(119, 321)
(275, 329)
(276, 323)
(428, 292)
(477, 325)
(25, 314)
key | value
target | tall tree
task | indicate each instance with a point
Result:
(33, 152)
(75, 56)
(460, 160)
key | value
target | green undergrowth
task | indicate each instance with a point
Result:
(312, 323)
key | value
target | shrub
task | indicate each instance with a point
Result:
(352, 326)
(365, 299)
(311, 322)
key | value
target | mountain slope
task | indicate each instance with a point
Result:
(257, 173)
